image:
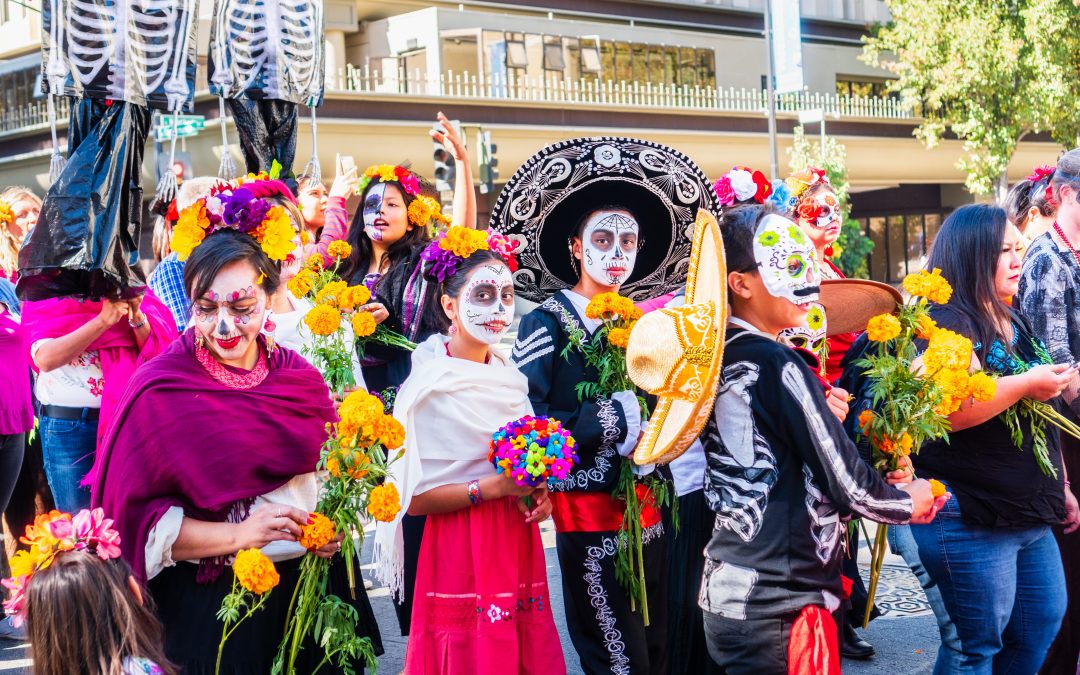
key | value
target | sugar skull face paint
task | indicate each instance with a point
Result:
(609, 247)
(374, 224)
(487, 303)
(786, 261)
(812, 335)
(231, 313)
(828, 211)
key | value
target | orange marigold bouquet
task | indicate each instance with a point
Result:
(337, 320)
(913, 394)
(353, 464)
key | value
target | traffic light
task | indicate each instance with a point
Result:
(445, 168)
(489, 162)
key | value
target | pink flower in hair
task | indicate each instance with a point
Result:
(410, 184)
(724, 192)
(95, 529)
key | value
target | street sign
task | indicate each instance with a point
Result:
(811, 116)
(186, 125)
(786, 44)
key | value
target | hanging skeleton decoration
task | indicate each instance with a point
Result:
(265, 59)
(117, 59)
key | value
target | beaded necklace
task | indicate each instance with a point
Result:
(1061, 233)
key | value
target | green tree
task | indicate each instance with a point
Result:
(854, 245)
(971, 67)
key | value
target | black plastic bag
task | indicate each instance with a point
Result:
(267, 131)
(86, 242)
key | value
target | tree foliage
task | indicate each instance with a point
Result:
(989, 72)
(853, 244)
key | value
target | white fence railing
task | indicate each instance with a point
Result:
(585, 93)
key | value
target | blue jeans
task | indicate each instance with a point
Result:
(68, 447)
(1003, 588)
(903, 544)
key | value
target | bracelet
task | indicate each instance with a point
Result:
(138, 325)
(474, 492)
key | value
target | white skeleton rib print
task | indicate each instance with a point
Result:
(743, 472)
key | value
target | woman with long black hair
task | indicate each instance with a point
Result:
(990, 550)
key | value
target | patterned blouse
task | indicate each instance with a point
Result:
(1049, 299)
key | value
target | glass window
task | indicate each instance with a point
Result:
(879, 256)
(639, 63)
(590, 57)
(623, 68)
(516, 55)
(931, 223)
(607, 59)
(688, 67)
(707, 67)
(553, 54)
(916, 243)
(897, 239)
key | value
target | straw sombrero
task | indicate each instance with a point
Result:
(545, 199)
(851, 303)
(675, 353)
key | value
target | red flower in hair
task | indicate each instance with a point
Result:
(764, 187)
(821, 175)
(808, 209)
(1041, 172)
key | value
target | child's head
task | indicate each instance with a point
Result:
(86, 615)
(311, 199)
(772, 272)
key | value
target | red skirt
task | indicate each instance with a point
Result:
(481, 602)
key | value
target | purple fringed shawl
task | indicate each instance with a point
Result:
(179, 438)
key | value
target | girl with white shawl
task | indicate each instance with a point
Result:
(481, 602)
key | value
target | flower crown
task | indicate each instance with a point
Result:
(389, 173)
(7, 214)
(452, 247)
(802, 181)
(741, 185)
(244, 206)
(51, 534)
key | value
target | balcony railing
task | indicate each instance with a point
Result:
(592, 93)
(631, 95)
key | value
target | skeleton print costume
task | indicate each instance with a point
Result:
(782, 478)
(265, 59)
(608, 636)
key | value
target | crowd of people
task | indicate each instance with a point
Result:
(192, 418)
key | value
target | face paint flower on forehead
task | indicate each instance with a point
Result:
(785, 259)
(487, 303)
(609, 246)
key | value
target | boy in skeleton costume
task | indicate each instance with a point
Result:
(265, 59)
(582, 211)
(117, 60)
(782, 476)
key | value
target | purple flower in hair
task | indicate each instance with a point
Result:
(242, 211)
(441, 263)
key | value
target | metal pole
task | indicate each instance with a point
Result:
(822, 140)
(770, 93)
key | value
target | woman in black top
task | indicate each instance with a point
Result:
(990, 550)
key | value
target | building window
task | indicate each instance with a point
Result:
(866, 87)
(18, 89)
(516, 54)
(900, 243)
(553, 54)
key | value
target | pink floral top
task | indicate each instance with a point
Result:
(335, 226)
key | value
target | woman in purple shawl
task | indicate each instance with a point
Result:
(212, 450)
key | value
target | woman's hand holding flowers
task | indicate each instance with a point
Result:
(924, 505)
(269, 523)
(1047, 381)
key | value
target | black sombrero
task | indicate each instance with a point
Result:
(545, 199)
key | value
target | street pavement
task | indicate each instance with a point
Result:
(906, 636)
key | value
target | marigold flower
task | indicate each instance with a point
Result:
(255, 571)
(619, 337)
(865, 418)
(982, 387)
(302, 283)
(925, 327)
(463, 241)
(7, 215)
(882, 328)
(353, 297)
(422, 210)
(937, 488)
(190, 229)
(357, 470)
(315, 262)
(886, 444)
(384, 502)
(390, 432)
(339, 250)
(948, 350)
(904, 445)
(331, 293)
(387, 173)
(323, 319)
(276, 234)
(318, 533)
(929, 285)
(363, 324)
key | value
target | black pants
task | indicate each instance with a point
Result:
(1064, 653)
(749, 647)
(267, 131)
(12, 449)
(609, 638)
(687, 650)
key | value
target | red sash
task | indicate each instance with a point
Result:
(598, 511)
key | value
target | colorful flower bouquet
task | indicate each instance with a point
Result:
(912, 394)
(332, 299)
(254, 576)
(51, 534)
(533, 451)
(353, 463)
(606, 352)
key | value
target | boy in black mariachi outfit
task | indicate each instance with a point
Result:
(584, 210)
